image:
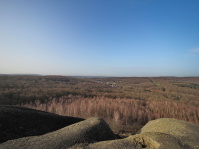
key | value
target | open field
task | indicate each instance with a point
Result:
(125, 103)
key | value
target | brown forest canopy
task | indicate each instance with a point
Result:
(125, 103)
(22, 89)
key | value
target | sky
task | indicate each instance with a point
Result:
(100, 37)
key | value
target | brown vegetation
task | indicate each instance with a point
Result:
(121, 114)
(125, 103)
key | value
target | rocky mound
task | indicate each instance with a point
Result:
(17, 122)
(88, 131)
(94, 133)
(186, 133)
(164, 133)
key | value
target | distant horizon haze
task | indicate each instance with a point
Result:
(129, 38)
(84, 76)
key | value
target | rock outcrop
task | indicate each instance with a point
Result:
(17, 122)
(88, 131)
(163, 133)
(94, 133)
(186, 133)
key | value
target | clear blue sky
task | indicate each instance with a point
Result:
(100, 37)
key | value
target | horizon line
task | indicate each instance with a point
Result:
(87, 76)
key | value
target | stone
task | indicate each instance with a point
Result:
(17, 122)
(87, 131)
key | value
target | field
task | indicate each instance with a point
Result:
(125, 103)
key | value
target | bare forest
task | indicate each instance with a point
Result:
(125, 103)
